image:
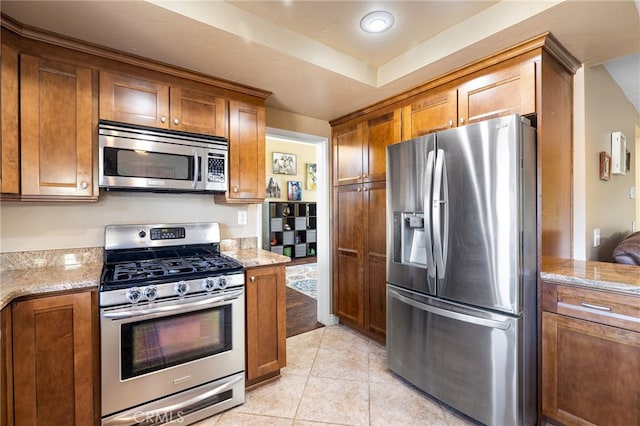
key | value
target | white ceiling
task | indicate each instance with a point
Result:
(315, 59)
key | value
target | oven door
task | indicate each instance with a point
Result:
(156, 349)
(143, 164)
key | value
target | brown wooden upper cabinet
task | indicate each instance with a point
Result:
(246, 154)
(132, 100)
(359, 149)
(430, 112)
(56, 116)
(10, 140)
(503, 89)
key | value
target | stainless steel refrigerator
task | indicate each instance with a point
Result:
(462, 268)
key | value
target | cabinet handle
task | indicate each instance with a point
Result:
(176, 121)
(461, 119)
(163, 119)
(84, 185)
(235, 189)
(598, 307)
(450, 123)
(252, 279)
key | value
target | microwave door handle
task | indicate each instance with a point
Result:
(196, 169)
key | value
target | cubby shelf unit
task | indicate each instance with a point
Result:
(289, 228)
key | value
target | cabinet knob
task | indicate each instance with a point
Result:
(252, 279)
(84, 185)
(461, 119)
(163, 119)
(235, 189)
(364, 176)
(176, 121)
(450, 123)
(365, 189)
(359, 189)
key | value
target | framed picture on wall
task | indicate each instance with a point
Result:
(274, 186)
(284, 164)
(294, 190)
(605, 166)
(311, 177)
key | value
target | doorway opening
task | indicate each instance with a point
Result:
(301, 142)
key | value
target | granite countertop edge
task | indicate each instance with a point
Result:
(18, 283)
(594, 275)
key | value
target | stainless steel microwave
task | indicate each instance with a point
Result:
(146, 159)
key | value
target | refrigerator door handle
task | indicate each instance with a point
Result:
(431, 266)
(450, 314)
(440, 209)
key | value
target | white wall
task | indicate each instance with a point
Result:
(607, 204)
(26, 226)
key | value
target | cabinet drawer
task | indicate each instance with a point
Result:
(592, 305)
(311, 236)
(301, 223)
(287, 238)
(276, 224)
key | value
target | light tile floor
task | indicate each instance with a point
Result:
(336, 377)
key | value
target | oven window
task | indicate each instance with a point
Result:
(159, 343)
(147, 164)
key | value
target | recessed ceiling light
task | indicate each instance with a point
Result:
(377, 22)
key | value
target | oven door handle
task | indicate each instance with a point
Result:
(175, 407)
(130, 313)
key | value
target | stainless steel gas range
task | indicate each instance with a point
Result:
(171, 325)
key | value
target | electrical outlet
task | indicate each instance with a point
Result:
(242, 217)
(632, 192)
(596, 237)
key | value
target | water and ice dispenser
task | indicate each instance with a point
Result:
(409, 238)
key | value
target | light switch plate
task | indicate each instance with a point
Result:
(596, 237)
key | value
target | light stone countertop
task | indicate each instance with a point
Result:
(591, 274)
(33, 273)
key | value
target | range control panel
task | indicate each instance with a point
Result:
(167, 233)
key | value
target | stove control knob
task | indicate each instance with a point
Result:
(151, 293)
(181, 288)
(222, 282)
(134, 294)
(208, 284)
(142, 234)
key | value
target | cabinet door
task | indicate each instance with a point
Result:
(375, 260)
(266, 322)
(134, 101)
(589, 372)
(246, 153)
(501, 90)
(347, 154)
(9, 146)
(433, 111)
(198, 112)
(56, 129)
(348, 279)
(379, 132)
(52, 360)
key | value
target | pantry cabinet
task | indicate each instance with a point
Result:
(57, 146)
(143, 102)
(246, 154)
(54, 371)
(266, 326)
(9, 142)
(359, 147)
(590, 356)
(359, 257)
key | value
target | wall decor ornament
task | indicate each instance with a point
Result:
(284, 164)
(294, 190)
(273, 189)
(605, 166)
(311, 173)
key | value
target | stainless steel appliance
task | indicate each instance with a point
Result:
(171, 325)
(462, 268)
(146, 159)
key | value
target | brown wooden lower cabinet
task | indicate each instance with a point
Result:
(54, 341)
(266, 337)
(590, 357)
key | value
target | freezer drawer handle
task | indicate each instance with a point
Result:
(450, 314)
